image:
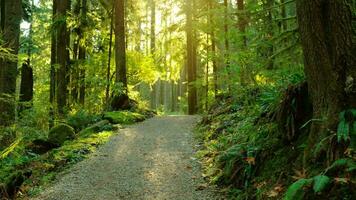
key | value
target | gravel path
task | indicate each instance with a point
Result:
(150, 160)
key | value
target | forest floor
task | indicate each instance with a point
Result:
(149, 160)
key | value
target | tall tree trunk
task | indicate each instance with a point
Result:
(52, 75)
(153, 51)
(227, 42)
(242, 21)
(269, 35)
(82, 53)
(74, 74)
(191, 66)
(284, 15)
(326, 34)
(11, 13)
(62, 57)
(120, 44)
(120, 98)
(213, 48)
(108, 70)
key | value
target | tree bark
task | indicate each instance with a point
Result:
(326, 35)
(82, 53)
(108, 70)
(153, 51)
(227, 42)
(191, 66)
(52, 75)
(62, 56)
(213, 47)
(11, 13)
(120, 44)
(26, 86)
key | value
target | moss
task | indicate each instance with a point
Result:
(60, 133)
(123, 117)
(103, 125)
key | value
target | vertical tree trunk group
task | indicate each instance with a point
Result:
(11, 15)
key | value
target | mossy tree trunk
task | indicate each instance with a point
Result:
(326, 34)
(11, 14)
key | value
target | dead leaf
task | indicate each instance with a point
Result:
(251, 160)
(260, 185)
(342, 180)
(300, 174)
(272, 193)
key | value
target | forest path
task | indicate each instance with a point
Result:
(149, 160)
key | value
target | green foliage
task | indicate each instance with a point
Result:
(320, 183)
(347, 124)
(296, 190)
(81, 119)
(123, 117)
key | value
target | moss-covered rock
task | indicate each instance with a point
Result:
(60, 133)
(103, 125)
(123, 117)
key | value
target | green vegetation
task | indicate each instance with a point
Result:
(245, 149)
(123, 117)
(32, 162)
(274, 79)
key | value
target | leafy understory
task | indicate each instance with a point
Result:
(253, 145)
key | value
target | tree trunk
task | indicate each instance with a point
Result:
(120, 99)
(82, 54)
(269, 35)
(52, 75)
(62, 57)
(213, 48)
(191, 66)
(227, 42)
(108, 70)
(120, 44)
(326, 34)
(74, 74)
(153, 50)
(26, 87)
(11, 13)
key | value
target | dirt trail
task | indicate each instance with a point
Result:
(150, 160)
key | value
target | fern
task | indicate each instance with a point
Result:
(296, 190)
(320, 183)
(343, 131)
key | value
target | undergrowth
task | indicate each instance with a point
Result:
(253, 145)
(25, 168)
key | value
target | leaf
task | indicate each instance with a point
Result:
(343, 131)
(341, 180)
(296, 190)
(320, 183)
(337, 164)
(251, 160)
